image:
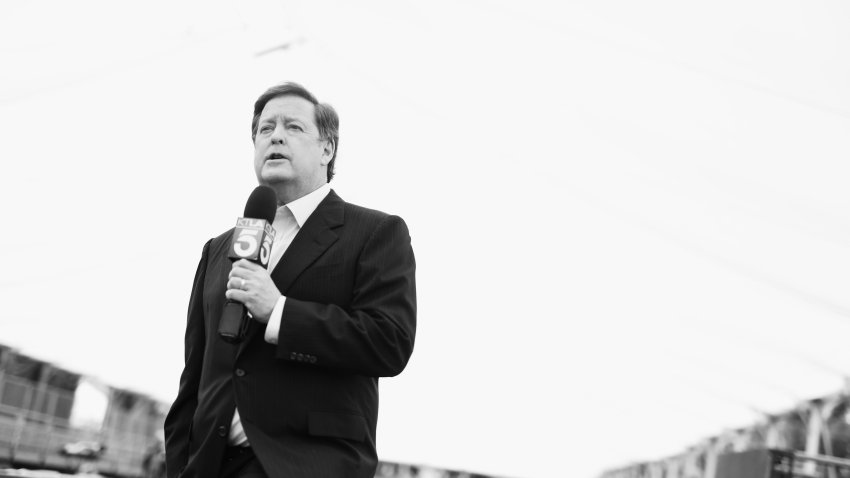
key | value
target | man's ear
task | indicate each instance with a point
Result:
(328, 150)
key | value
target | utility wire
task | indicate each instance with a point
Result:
(107, 69)
(571, 32)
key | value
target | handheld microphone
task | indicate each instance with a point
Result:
(252, 240)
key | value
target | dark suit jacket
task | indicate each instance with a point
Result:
(309, 405)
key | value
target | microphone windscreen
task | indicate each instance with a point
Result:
(262, 204)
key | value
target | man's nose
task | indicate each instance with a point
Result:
(278, 135)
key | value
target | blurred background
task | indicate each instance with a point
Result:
(631, 219)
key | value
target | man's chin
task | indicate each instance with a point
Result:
(271, 177)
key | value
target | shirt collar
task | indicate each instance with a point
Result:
(304, 206)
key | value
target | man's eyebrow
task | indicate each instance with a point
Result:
(286, 119)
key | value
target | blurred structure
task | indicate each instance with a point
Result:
(54, 419)
(811, 440)
(388, 469)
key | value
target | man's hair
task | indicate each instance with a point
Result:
(325, 118)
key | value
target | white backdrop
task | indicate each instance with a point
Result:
(630, 218)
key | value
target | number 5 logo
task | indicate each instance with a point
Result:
(265, 251)
(246, 244)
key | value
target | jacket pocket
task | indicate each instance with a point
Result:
(339, 425)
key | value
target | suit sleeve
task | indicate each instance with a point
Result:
(373, 336)
(178, 422)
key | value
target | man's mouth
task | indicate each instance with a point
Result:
(272, 156)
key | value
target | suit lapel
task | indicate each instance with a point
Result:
(314, 238)
(311, 241)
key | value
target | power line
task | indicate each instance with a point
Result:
(572, 32)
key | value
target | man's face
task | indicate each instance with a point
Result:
(287, 148)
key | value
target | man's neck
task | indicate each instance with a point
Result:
(288, 192)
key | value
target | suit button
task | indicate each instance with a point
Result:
(240, 372)
(222, 431)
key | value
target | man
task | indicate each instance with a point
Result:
(335, 311)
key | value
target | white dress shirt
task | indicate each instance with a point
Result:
(288, 220)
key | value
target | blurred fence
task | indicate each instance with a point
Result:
(815, 434)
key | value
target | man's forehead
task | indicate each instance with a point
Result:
(288, 107)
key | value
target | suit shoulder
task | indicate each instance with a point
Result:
(360, 213)
(371, 222)
(220, 242)
(223, 237)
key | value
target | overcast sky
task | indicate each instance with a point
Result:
(631, 219)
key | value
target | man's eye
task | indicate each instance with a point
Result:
(295, 127)
(265, 129)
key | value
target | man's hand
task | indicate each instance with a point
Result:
(252, 285)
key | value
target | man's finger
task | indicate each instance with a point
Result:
(245, 264)
(238, 295)
(236, 282)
